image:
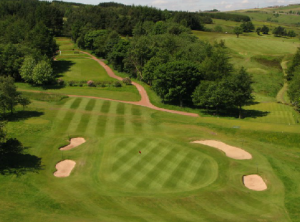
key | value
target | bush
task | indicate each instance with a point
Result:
(71, 83)
(117, 84)
(60, 82)
(90, 83)
(127, 81)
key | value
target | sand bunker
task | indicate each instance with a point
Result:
(74, 142)
(230, 151)
(64, 168)
(254, 182)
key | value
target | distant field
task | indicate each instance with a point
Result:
(260, 55)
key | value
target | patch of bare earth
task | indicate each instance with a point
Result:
(254, 182)
(74, 142)
(230, 151)
(64, 168)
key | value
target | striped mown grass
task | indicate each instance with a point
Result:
(161, 166)
(275, 113)
(171, 180)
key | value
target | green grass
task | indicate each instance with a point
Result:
(171, 180)
(260, 55)
(125, 93)
(81, 68)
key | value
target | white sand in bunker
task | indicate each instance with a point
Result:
(74, 142)
(230, 151)
(254, 182)
(64, 168)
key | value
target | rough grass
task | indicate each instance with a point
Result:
(260, 55)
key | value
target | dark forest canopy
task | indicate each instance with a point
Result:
(24, 34)
(160, 51)
(226, 16)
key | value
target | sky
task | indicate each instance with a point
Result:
(196, 5)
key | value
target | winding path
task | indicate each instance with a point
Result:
(144, 96)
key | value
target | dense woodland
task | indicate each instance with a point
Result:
(155, 46)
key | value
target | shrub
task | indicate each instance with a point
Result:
(71, 83)
(127, 81)
(90, 83)
(60, 82)
(117, 84)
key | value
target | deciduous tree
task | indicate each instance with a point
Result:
(237, 30)
(176, 81)
(42, 73)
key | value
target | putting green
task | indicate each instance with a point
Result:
(161, 166)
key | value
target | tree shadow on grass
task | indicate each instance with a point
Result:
(235, 113)
(62, 66)
(13, 160)
(19, 164)
(21, 115)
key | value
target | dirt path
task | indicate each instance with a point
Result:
(144, 96)
(282, 91)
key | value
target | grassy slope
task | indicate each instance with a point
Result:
(284, 18)
(248, 50)
(167, 182)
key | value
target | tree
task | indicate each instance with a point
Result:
(138, 54)
(258, 30)
(294, 88)
(23, 101)
(2, 132)
(295, 64)
(27, 69)
(41, 38)
(91, 36)
(8, 94)
(291, 33)
(279, 31)
(118, 54)
(176, 81)
(247, 26)
(240, 87)
(217, 65)
(265, 29)
(237, 30)
(42, 73)
(10, 61)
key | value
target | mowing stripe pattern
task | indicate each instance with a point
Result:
(161, 166)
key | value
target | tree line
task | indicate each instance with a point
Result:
(179, 67)
(161, 50)
(293, 77)
(24, 34)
